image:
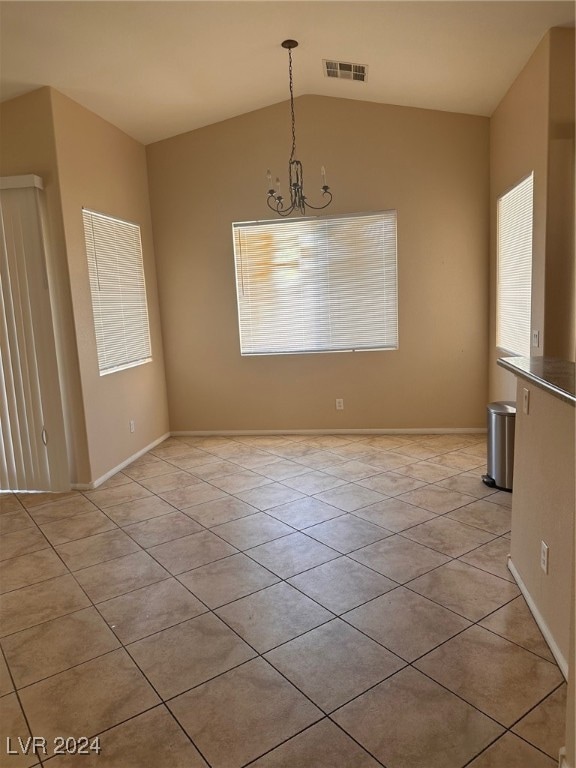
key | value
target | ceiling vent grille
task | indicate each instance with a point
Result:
(345, 71)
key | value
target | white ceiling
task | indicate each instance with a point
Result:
(159, 68)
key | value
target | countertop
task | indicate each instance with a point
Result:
(550, 374)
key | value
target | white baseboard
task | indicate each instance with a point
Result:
(95, 483)
(539, 619)
(418, 431)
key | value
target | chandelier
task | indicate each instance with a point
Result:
(298, 201)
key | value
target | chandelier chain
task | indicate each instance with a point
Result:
(293, 153)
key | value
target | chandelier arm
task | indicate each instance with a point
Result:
(319, 207)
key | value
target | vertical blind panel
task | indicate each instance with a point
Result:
(514, 281)
(30, 408)
(317, 285)
(118, 292)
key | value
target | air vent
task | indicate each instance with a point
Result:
(345, 71)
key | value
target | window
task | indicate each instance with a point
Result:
(317, 284)
(514, 279)
(118, 292)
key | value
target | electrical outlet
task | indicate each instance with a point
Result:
(536, 339)
(339, 404)
(525, 401)
(132, 425)
(544, 551)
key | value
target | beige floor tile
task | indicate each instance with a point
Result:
(150, 609)
(313, 482)
(15, 521)
(60, 510)
(320, 460)
(191, 551)
(88, 698)
(77, 527)
(421, 451)
(22, 543)
(149, 471)
(399, 559)
(188, 654)
(226, 580)
(57, 645)
(189, 463)
(460, 461)
(137, 511)
(323, 745)
(96, 549)
(347, 532)
(491, 557)
(305, 512)
(240, 481)
(468, 483)
(215, 468)
(408, 721)
(407, 624)
(41, 602)
(182, 498)
(256, 460)
(391, 483)
(515, 622)
(268, 496)
(168, 451)
(292, 450)
(6, 685)
(12, 726)
(350, 497)
(394, 515)
(9, 503)
(170, 481)
(341, 584)
(30, 500)
(118, 479)
(334, 663)
(482, 514)
(352, 471)
(511, 752)
(242, 714)
(212, 513)
(502, 497)
(545, 725)
(252, 530)
(436, 499)
(116, 577)
(119, 495)
(493, 674)
(283, 469)
(158, 530)
(385, 461)
(272, 616)
(150, 740)
(30, 569)
(427, 471)
(292, 554)
(448, 536)
(466, 590)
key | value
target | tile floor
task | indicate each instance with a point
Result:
(287, 601)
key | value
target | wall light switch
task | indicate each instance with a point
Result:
(536, 339)
(339, 404)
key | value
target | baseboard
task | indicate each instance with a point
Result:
(539, 619)
(410, 431)
(95, 483)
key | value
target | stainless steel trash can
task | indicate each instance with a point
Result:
(501, 424)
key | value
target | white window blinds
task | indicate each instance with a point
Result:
(514, 279)
(317, 285)
(118, 291)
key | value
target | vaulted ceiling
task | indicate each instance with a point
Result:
(159, 68)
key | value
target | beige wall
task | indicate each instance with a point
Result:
(518, 146)
(103, 169)
(431, 166)
(28, 146)
(532, 129)
(543, 507)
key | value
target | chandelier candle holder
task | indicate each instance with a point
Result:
(298, 201)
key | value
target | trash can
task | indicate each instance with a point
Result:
(501, 423)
